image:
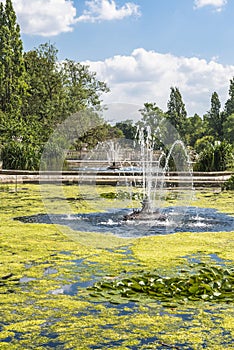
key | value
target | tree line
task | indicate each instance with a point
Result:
(210, 139)
(37, 93)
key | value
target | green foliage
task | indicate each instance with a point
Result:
(153, 117)
(121, 195)
(37, 94)
(229, 106)
(54, 92)
(12, 71)
(54, 154)
(215, 118)
(82, 89)
(176, 112)
(97, 134)
(20, 156)
(45, 96)
(215, 157)
(194, 129)
(209, 283)
(228, 128)
(128, 129)
(58, 90)
(229, 184)
(203, 143)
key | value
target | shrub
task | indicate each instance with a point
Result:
(20, 156)
(215, 157)
(229, 184)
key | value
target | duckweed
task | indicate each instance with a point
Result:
(45, 271)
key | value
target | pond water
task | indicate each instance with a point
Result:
(177, 219)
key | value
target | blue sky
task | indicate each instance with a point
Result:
(141, 47)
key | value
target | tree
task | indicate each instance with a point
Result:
(203, 143)
(151, 115)
(229, 105)
(228, 128)
(215, 118)
(194, 129)
(83, 90)
(176, 112)
(57, 90)
(153, 118)
(127, 128)
(46, 95)
(100, 133)
(12, 71)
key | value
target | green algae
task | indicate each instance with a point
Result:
(38, 314)
(222, 201)
(174, 250)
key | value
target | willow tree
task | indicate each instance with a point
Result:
(12, 70)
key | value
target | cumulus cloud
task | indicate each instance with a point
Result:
(52, 17)
(217, 4)
(146, 76)
(107, 10)
(45, 17)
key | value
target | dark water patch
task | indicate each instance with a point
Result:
(50, 271)
(178, 219)
(73, 288)
(198, 259)
(26, 279)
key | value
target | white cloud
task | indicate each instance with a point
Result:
(107, 10)
(217, 4)
(45, 17)
(146, 76)
(52, 17)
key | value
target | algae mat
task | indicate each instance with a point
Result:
(45, 276)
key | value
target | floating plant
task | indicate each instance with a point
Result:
(208, 283)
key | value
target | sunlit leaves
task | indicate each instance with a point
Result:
(209, 283)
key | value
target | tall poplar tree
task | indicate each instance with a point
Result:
(215, 118)
(176, 112)
(229, 106)
(12, 71)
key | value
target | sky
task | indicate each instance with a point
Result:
(141, 48)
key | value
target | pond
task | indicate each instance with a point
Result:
(45, 278)
(175, 219)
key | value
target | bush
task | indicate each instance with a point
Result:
(20, 156)
(229, 184)
(215, 157)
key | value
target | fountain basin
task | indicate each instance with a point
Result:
(169, 220)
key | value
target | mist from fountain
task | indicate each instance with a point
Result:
(144, 171)
(113, 152)
(154, 172)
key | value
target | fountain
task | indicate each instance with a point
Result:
(153, 174)
(143, 178)
(148, 184)
(113, 155)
